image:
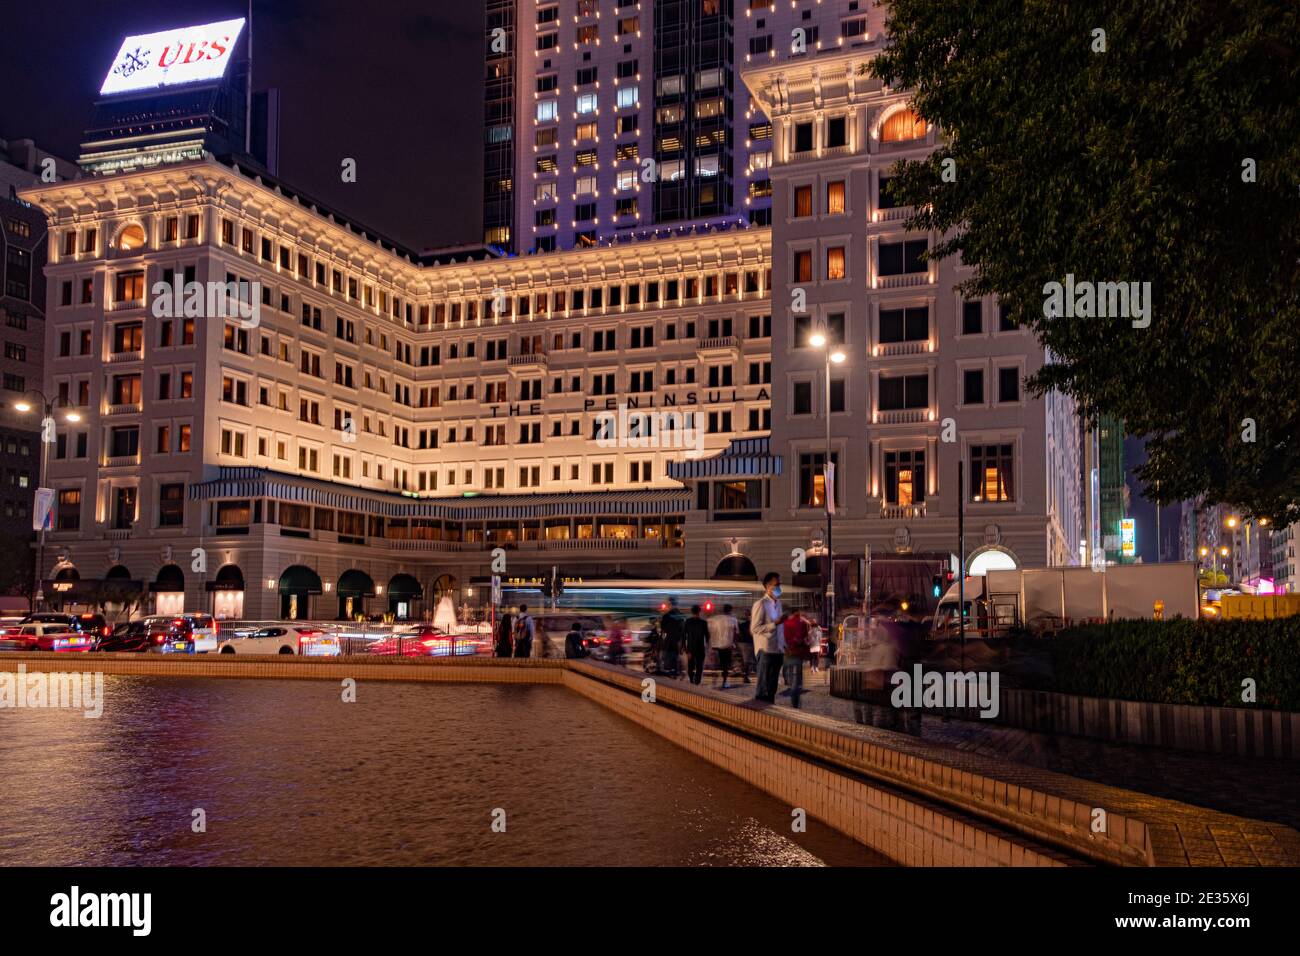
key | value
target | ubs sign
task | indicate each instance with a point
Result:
(173, 57)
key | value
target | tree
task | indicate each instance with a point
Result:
(1165, 151)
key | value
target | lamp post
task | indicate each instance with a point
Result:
(47, 439)
(821, 339)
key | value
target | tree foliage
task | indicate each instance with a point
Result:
(1130, 164)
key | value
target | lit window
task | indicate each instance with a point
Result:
(902, 126)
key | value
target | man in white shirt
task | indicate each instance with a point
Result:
(723, 628)
(766, 624)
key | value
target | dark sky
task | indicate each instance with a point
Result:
(394, 84)
(1144, 511)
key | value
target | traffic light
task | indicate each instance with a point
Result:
(936, 586)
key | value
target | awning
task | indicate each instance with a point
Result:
(742, 458)
(170, 579)
(404, 586)
(229, 578)
(355, 583)
(262, 483)
(299, 579)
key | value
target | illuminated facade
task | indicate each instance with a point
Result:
(928, 378)
(379, 415)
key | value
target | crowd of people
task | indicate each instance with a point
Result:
(770, 643)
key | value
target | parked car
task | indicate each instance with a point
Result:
(86, 623)
(46, 636)
(299, 639)
(419, 640)
(131, 636)
(182, 633)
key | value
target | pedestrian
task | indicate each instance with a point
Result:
(797, 650)
(617, 635)
(539, 649)
(722, 638)
(524, 631)
(674, 631)
(745, 642)
(766, 622)
(505, 635)
(697, 645)
(573, 646)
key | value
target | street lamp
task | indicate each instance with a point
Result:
(47, 439)
(832, 356)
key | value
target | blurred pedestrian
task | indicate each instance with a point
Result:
(674, 634)
(722, 638)
(574, 648)
(745, 644)
(797, 650)
(697, 645)
(524, 632)
(617, 639)
(766, 622)
(505, 635)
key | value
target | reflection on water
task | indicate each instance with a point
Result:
(410, 774)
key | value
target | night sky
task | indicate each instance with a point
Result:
(395, 85)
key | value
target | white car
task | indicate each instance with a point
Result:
(299, 639)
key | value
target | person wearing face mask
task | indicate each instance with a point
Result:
(766, 623)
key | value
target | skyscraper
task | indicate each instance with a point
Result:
(619, 119)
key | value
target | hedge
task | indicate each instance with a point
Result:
(1181, 661)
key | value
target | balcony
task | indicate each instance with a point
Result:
(126, 305)
(902, 416)
(718, 346)
(902, 512)
(895, 214)
(131, 355)
(889, 349)
(905, 281)
(535, 360)
(115, 461)
(125, 408)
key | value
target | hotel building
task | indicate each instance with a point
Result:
(371, 424)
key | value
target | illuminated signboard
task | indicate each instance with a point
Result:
(173, 57)
(1128, 537)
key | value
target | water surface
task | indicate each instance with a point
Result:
(410, 774)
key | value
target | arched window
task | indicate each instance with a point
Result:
(902, 126)
(132, 238)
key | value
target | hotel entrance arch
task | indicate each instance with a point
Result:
(353, 588)
(403, 592)
(297, 584)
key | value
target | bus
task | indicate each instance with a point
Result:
(637, 603)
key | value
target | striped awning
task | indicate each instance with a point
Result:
(743, 458)
(263, 483)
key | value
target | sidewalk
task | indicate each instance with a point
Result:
(1258, 789)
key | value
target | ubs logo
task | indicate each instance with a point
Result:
(132, 62)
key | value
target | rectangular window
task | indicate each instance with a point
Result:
(900, 392)
(904, 325)
(904, 477)
(991, 473)
(972, 389)
(1009, 384)
(903, 258)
